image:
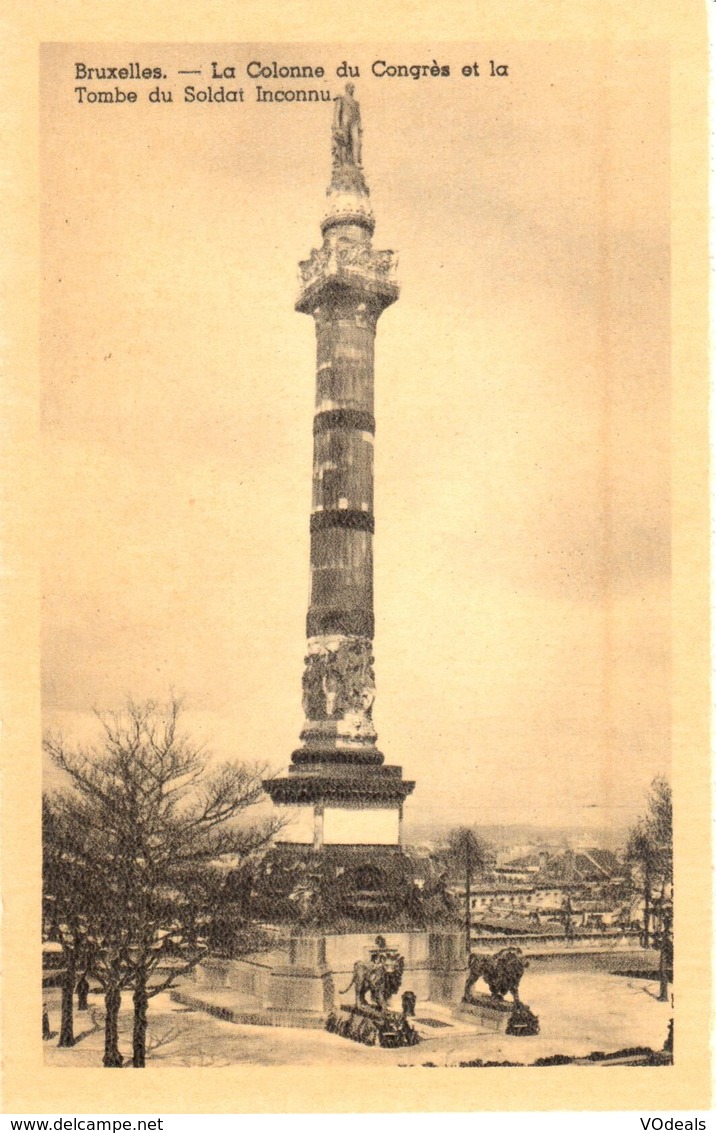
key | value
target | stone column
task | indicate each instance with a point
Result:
(347, 289)
(345, 285)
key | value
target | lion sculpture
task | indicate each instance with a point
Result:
(501, 972)
(379, 980)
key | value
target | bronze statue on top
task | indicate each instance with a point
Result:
(347, 131)
(347, 144)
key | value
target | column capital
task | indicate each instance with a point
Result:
(346, 273)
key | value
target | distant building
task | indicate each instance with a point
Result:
(550, 893)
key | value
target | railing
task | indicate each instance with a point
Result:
(590, 941)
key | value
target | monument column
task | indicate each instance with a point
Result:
(338, 774)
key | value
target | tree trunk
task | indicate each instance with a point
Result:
(112, 1003)
(666, 960)
(139, 1034)
(647, 906)
(82, 992)
(468, 910)
(663, 978)
(67, 1033)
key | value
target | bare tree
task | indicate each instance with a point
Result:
(650, 848)
(150, 818)
(468, 855)
(64, 921)
(641, 852)
(660, 822)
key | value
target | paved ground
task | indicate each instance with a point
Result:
(579, 1013)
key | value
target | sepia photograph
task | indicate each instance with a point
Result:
(421, 816)
(356, 571)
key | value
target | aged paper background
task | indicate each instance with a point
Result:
(635, 48)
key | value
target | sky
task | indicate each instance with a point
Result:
(522, 545)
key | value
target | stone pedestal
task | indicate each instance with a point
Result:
(304, 983)
(492, 1014)
(301, 981)
(504, 1016)
(447, 965)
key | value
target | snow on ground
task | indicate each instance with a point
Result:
(579, 1012)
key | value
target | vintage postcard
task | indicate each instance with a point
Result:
(362, 500)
